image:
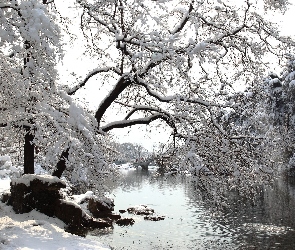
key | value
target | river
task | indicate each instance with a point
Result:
(267, 223)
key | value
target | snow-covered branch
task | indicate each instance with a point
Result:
(89, 75)
(119, 87)
(184, 20)
(91, 12)
(172, 98)
(145, 120)
(145, 108)
(6, 5)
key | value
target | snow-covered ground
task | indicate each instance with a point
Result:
(37, 231)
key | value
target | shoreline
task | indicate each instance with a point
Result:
(35, 230)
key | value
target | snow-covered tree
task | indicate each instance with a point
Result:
(129, 152)
(33, 108)
(29, 41)
(281, 110)
(177, 60)
(168, 60)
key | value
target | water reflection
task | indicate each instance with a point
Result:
(265, 222)
(268, 223)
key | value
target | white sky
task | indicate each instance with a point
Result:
(75, 61)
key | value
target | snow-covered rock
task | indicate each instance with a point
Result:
(141, 210)
(41, 192)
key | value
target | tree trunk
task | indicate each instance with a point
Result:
(29, 154)
(61, 165)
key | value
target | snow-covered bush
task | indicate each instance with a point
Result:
(7, 169)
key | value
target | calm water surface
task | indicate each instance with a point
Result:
(266, 224)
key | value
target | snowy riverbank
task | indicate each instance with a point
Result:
(37, 231)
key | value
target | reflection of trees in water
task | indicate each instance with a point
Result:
(276, 203)
(263, 221)
(259, 222)
(280, 202)
(266, 220)
(128, 180)
(132, 179)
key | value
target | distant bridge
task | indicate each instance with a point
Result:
(163, 162)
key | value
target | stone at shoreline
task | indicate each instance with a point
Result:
(140, 210)
(122, 211)
(102, 208)
(154, 218)
(98, 207)
(42, 192)
(73, 215)
(125, 222)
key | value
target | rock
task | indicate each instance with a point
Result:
(112, 216)
(70, 213)
(141, 210)
(42, 193)
(154, 218)
(106, 205)
(122, 211)
(20, 198)
(102, 208)
(74, 216)
(125, 222)
(35, 192)
(5, 197)
(107, 215)
(99, 223)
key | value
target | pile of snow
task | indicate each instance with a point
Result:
(81, 198)
(38, 231)
(27, 178)
(4, 185)
(39, 170)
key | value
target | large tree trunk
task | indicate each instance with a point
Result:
(61, 165)
(29, 154)
(29, 147)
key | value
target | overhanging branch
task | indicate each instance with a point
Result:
(185, 19)
(120, 86)
(146, 108)
(146, 120)
(168, 99)
(89, 75)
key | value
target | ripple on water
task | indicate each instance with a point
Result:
(187, 224)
